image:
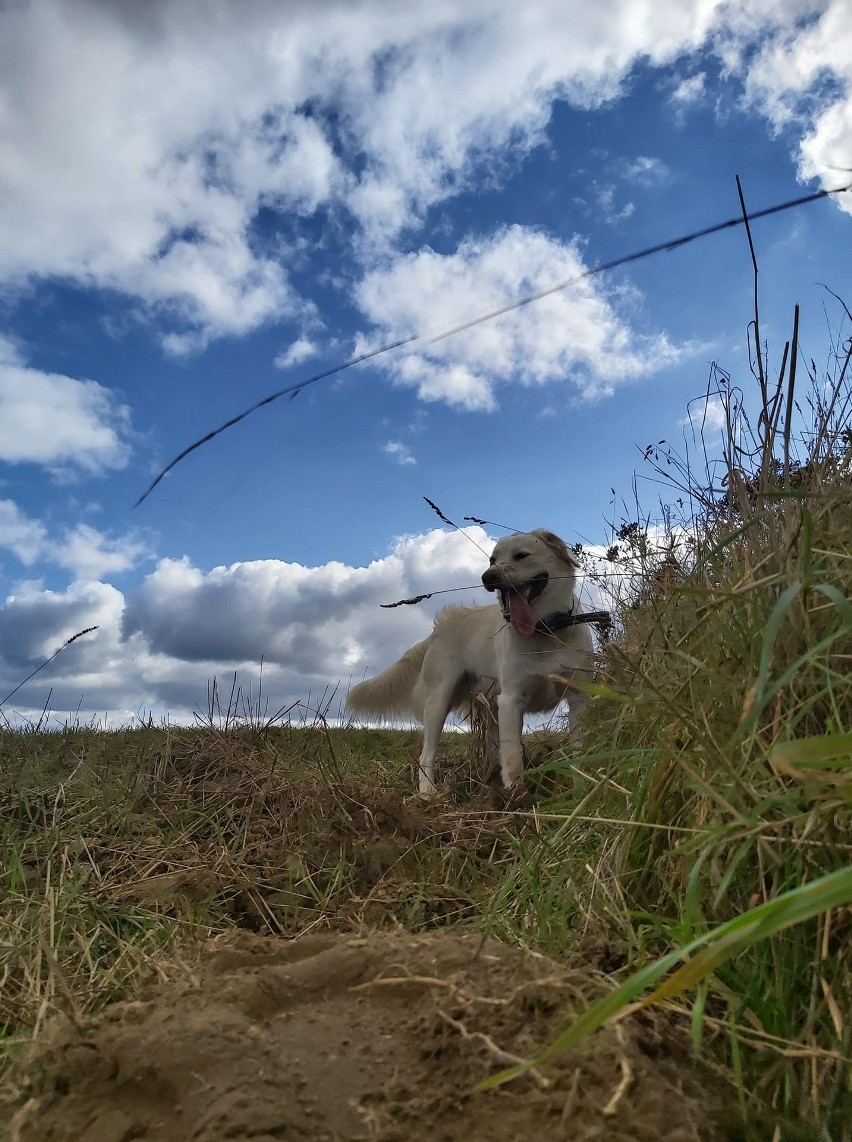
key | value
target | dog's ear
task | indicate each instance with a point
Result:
(557, 546)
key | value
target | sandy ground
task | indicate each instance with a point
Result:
(382, 1036)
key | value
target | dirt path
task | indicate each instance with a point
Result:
(331, 1037)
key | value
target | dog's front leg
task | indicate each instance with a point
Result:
(434, 716)
(426, 786)
(510, 719)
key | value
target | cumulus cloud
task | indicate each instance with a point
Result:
(158, 648)
(148, 140)
(314, 620)
(802, 76)
(89, 554)
(314, 629)
(575, 334)
(23, 536)
(64, 424)
(34, 622)
(83, 550)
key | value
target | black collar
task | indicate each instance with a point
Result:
(559, 620)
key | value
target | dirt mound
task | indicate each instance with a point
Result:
(331, 1037)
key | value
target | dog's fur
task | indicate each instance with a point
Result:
(494, 651)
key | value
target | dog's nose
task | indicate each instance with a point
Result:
(490, 579)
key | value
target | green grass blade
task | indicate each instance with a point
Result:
(710, 949)
(828, 751)
(843, 605)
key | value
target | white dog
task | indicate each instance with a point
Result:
(518, 654)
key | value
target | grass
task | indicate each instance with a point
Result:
(715, 828)
(123, 852)
(697, 856)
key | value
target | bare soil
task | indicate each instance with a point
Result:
(383, 1035)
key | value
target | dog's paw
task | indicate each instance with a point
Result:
(514, 797)
(424, 801)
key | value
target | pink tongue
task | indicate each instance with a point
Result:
(521, 615)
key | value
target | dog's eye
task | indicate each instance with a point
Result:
(522, 555)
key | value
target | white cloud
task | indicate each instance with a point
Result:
(399, 452)
(24, 537)
(707, 414)
(616, 571)
(97, 675)
(605, 207)
(301, 350)
(158, 648)
(424, 143)
(57, 421)
(34, 622)
(646, 170)
(142, 147)
(141, 142)
(89, 554)
(83, 550)
(802, 77)
(307, 619)
(690, 90)
(10, 353)
(575, 334)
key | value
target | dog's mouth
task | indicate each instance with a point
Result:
(515, 603)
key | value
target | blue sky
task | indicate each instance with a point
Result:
(198, 209)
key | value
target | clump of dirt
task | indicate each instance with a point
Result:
(384, 1036)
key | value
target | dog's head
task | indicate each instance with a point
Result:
(532, 571)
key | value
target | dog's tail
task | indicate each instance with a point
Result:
(392, 692)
